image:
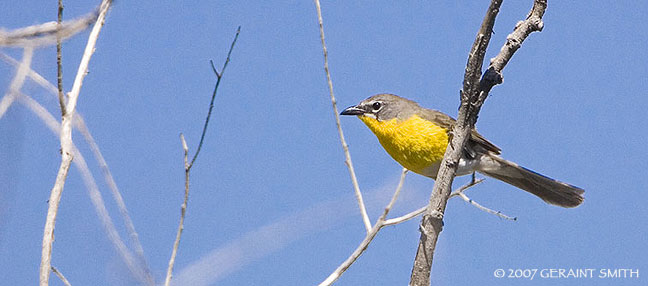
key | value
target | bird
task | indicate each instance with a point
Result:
(417, 137)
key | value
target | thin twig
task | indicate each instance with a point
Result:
(60, 275)
(140, 272)
(188, 165)
(368, 238)
(183, 210)
(59, 57)
(483, 208)
(66, 146)
(211, 104)
(406, 217)
(473, 95)
(347, 155)
(465, 187)
(461, 193)
(421, 210)
(79, 123)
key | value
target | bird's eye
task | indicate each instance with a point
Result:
(376, 105)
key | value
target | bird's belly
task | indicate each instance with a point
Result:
(416, 144)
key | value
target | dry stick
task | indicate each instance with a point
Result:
(183, 210)
(60, 276)
(419, 211)
(460, 193)
(59, 56)
(432, 225)
(473, 95)
(188, 165)
(79, 123)
(47, 33)
(95, 196)
(66, 146)
(347, 155)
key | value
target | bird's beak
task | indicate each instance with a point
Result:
(352, 110)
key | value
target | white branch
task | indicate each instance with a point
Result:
(138, 271)
(80, 125)
(347, 155)
(490, 211)
(406, 217)
(67, 146)
(46, 33)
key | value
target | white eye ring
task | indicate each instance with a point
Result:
(376, 105)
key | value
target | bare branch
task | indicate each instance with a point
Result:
(183, 210)
(60, 275)
(483, 208)
(140, 272)
(211, 104)
(47, 33)
(473, 94)
(465, 187)
(347, 155)
(523, 29)
(460, 193)
(421, 210)
(406, 217)
(67, 146)
(79, 123)
(59, 58)
(188, 165)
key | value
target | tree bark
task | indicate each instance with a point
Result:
(473, 95)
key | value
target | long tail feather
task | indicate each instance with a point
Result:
(548, 189)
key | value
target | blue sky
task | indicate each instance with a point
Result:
(271, 201)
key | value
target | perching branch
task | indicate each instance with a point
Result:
(188, 165)
(347, 155)
(66, 145)
(473, 94)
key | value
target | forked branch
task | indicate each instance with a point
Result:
(473, 94)
(188, 164)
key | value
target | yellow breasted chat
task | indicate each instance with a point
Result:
(417, 138)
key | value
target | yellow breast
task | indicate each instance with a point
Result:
(415, 143)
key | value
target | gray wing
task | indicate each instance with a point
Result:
(447, 122)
